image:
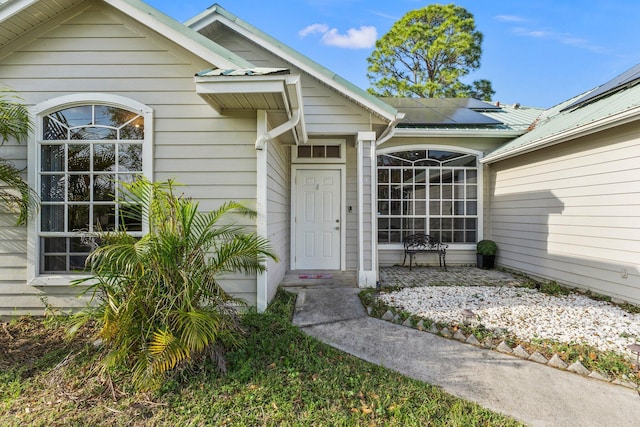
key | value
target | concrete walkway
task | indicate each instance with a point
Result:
(535, 394)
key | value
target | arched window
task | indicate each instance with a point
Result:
(83, 152)
(428, 191)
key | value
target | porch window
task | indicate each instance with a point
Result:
(428, 191)
(84, 151)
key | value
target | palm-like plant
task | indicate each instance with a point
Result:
(159, 301)
(14, 123)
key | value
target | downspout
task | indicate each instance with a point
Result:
(294, 120)
(389, 132)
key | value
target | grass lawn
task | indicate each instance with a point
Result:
(279, 376)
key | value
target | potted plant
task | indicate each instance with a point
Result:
(486, 254)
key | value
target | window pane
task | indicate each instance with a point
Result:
(52, 188)
(472, 208)
(396, 176)
(52, 218)
(304, 151)
(383, 175)
(77, 263)
(133, 131)
(318, 151)
(78, 218)
(472, 192)
(333, 151)
(131, 218)
(112, 116)
(472, 176)
(79, 157)
(434, 208)
(52, 158)
(55, 264)
(104, 187)
(447, 191)
(81, 244)
(93, 132)
(55, 244)
(396, 207)
(458, 208)
(104, 157)
(53, 130)
(383, 207)
(81, 115)
(104, 217)
(79, 186)
(447, 176)
(130, 158)
(434, 191)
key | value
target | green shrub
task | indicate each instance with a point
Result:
(487, 247)
(159, 303)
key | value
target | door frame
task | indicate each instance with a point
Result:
(343, 208)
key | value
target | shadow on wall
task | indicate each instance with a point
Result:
(541, 235)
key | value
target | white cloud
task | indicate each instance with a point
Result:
(564, 38)
(361, 38)
(313, 29)
(509, 18)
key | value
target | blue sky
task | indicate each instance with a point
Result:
(535, 52)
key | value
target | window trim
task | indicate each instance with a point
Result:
(456, 148)
(38, 112)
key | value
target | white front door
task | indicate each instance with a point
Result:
(317, 219)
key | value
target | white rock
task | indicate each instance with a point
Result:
(526, 313)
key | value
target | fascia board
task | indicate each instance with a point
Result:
(454, 133)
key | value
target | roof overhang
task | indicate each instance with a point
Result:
(271, 90)
(621, 118)
(360, 97)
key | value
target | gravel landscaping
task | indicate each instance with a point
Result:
(526, 313)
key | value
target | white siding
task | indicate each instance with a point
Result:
(101, 50)
(278, 212)
(571, 212)
(352, 202)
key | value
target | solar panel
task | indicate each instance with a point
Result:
(627, 79)
(442, 111)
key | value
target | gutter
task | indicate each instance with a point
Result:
(468, 133)
(618, 119)
(389, 132)
(295, 119)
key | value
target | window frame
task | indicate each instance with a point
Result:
(480, 190)
(39, 112)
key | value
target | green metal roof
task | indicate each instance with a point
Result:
(345, 85)
(559, 123)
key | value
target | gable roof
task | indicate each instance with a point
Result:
(601, 108)
(216, 13)
(19, 16)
